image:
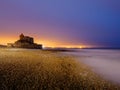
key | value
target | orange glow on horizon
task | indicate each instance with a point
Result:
(46, 43)
(55, 44)
(71, 46)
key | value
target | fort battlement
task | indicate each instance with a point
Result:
(25, 42)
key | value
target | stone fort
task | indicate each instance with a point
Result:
(25, 42)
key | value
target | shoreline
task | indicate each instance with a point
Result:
(52, 70)
(103, 62)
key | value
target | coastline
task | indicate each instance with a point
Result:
(35, 69)
(105, 62)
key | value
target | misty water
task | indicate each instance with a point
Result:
(105, 62)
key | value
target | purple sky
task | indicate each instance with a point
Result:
(62, 22)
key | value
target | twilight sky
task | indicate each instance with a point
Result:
(62, 22)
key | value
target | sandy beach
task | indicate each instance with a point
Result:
(30, 69)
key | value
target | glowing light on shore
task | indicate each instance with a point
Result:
(67, 46)
(80, 47)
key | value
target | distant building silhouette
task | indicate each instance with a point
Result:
(25, 39)
(25, 42)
